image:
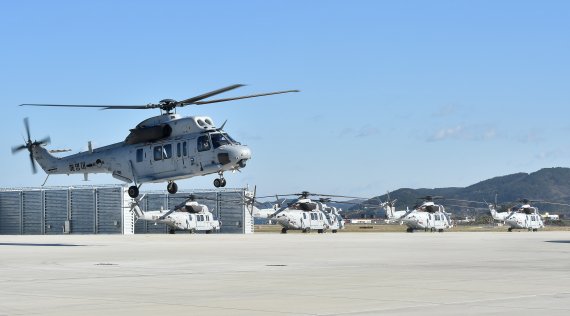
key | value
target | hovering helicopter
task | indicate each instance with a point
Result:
(305, 214)
(524, 216)
(166, 147)
(425, 216)
(187, 216)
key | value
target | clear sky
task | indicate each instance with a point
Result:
(394, 93)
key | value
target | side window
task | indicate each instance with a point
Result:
(203, 143)
(178, 151)
(157, 153)
(139, 155)
(184, 149)
(167, 151)
(305, 215)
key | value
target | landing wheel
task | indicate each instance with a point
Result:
(410, 230)
(535, 229)
(334, 231)
(172, 231)
(440, 230)
(172, 187)
(209, 231)
(510, 229)
(320, 231)
(223, 182)
(283, 230)
(217, 183)
(133, 191)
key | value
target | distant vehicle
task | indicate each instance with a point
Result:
(523, 216)
(305, 214)
(162, 148)
(189, 216)
(425, 216)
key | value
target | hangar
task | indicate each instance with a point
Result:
(105, 210)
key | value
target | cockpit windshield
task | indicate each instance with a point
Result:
(219, 139)
(233, 141)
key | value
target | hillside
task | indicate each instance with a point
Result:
(549, 184)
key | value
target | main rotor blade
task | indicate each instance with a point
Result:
(340, 196)
(244, 97)
(210, 94)
(104, 107)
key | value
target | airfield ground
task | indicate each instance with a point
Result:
(453, 273)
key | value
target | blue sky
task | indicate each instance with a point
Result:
(394, 94)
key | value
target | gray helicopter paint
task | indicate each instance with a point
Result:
(126, 164)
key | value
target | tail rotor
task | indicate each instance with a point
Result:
(29, 145)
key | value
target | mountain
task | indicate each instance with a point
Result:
(549, 185)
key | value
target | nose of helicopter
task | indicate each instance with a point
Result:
(237, 154)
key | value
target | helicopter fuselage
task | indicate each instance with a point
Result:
(427, 216)
(199, 218)
(162, 148)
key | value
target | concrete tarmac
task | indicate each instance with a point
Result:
(449, 273)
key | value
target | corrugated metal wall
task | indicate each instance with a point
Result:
(10, 213)
(74, 210)
(33, 215)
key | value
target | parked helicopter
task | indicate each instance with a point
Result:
(162, 148)
(425, 216)
(524, 216)
(305, 214)
(187, 216)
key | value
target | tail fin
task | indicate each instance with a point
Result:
(389, 208)
(495, 214)
(135, 207)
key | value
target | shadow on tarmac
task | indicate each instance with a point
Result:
(38, 245)
(559, 241)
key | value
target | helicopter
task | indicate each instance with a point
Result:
(524, 216)
(186, 216)
(167, 147)
(305, 214)
(425, 216)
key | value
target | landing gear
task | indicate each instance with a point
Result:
(510, 229)
(220, 182)
(535, 229)
(172, 187)
(440, 230)
(334, 231)
(320, 231)
(283, 230)
(172, 231)
(410, 230)
(133, 191)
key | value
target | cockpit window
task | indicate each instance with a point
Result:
(219, 140)
(203, 143)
